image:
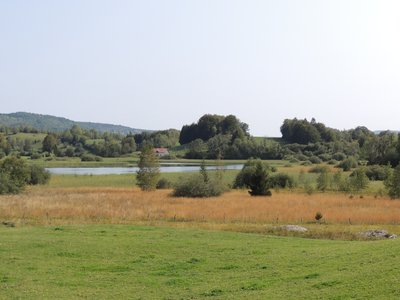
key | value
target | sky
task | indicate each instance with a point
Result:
(163, 64)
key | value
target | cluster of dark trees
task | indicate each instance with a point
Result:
(306, 140)
(215, 136)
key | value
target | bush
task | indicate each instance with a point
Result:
(323, 180)
(306, 163)
(7, 186)
(14, 174)
(332, 162)
(358, 180)
(282, 180)
(149, 169)
(315, 160)
(90, 157)
(195, 186)
(254, 176)
(376, 172)
(164, 183)
(35, 155)
(392, 183)
(301, 157)
(38, 175)
(318, 216)
(348, 164)
(325, 156)
(339, 156)
(243, 178)
(318, 169)
(259, 182)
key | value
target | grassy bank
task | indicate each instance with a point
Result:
(141, 262)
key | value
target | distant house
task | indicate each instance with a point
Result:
(160, 152)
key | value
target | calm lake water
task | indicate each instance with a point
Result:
(165, 168)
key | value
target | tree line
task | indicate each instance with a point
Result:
(215, 137)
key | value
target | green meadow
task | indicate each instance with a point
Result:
(142, 262)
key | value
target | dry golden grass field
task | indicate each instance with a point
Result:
(124, 205)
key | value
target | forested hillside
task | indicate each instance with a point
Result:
(46, 123)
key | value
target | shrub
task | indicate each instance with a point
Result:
(164, 183)
(35, 155)
(318, 216)
(339, 156)
(348, 164)
(318, 169)
(254, 176)
(14, 174)
(38, 175)
(195, 186)
(325, 156)
(301, 157)
(323, 181)
(306, 163)
(358, 180)
(90, 157)
(149, 169)
(259, 182)
(282, 180)
(243, 178)
(315, 160)
(332, 162)
(308, 187)
(376, 172)
(392, 183)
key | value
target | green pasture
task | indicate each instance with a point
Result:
(123, 180)
(143, 262)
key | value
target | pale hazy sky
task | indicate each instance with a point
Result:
(162, 64)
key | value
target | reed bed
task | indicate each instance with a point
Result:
(123, 205)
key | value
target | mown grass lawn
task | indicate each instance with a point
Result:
(143, 262)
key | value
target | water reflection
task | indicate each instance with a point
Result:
(165, 168)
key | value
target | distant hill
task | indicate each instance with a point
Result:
(57, 124)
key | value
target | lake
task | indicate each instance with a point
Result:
(164, 168)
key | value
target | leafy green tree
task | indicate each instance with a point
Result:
(38, 175)
(50, 143)
(14, 175)
(203, 172)
(128, 144)
(358, 180)
(197, 149)
(259, 184)
(323, 180)
(218, 145)
(4, 145)
(149, 169)
(392, 183)
(337, 181)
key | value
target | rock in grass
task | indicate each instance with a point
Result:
(378, 233)
(295, 228)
